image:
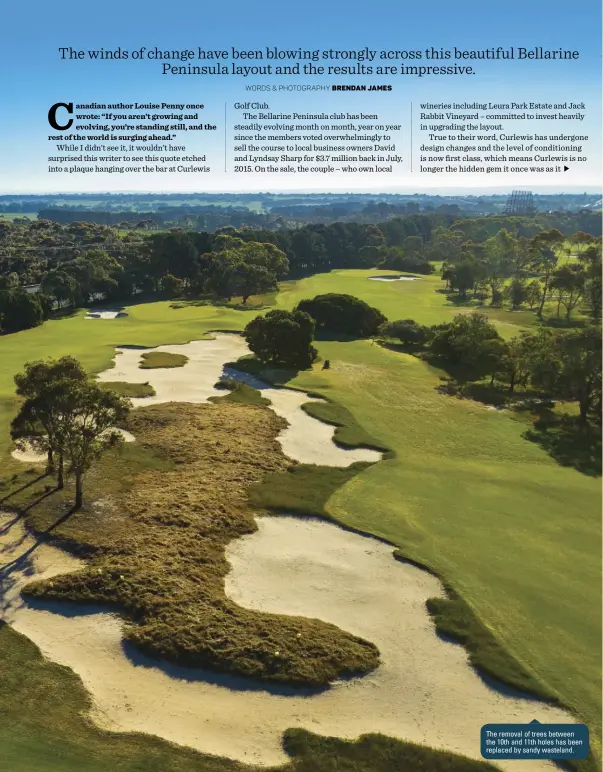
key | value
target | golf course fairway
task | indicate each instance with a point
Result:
(464, 493)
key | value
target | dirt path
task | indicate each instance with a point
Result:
(424, 691)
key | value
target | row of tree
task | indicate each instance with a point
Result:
(563, 365)
(77, 263)
(560, 365)
(524, 271)
(68, 416)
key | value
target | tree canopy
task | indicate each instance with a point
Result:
(282, 338)
(346, 314)
(67, 415)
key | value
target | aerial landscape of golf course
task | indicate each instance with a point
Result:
(352, 565)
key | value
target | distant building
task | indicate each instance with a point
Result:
(520, 202)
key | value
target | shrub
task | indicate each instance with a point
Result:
(343, 314)
(470, 342)
(407, 331)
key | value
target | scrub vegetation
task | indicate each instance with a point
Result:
(50, 734)
(161, 557)
(477, 496)
(239, 392)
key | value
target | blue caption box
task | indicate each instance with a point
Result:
(534, 741)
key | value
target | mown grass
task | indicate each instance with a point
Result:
(426, 300)
(151, 360)
(303, 489)
(348, 432)
(129, 389)
(423, 300)
(45, 727)
(18, 215)
(513, 532)
(159, 553)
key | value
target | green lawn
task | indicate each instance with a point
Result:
(515, 533)
(423, 300)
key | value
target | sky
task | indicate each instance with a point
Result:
(35, 77)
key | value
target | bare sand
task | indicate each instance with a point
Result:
(424, 691)
(105, 313)
(126, 435)
(29, 455)
(305, 439)
(394, 278)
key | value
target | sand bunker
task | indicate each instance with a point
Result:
(193, 382)
(105, 313)
(393, 278)
(30, 455)
(126, 436)
(305, 439)
(424, 691)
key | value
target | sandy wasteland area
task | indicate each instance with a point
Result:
(29, 455)
(305, 439)
(423, 691)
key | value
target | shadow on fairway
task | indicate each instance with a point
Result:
(561, 323)
(211, 301)
(569, 442)
(509, 691)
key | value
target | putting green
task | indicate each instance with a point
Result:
(516, 534)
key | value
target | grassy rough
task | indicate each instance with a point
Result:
(152, 360)
(45, 728)
(373, 752)
(462, 475)
(239, 392)
(161, 558)
(454, 618)
(129, 389)
(302, 489)
(348, 432)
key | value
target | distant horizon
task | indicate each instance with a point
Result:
(470, 191)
